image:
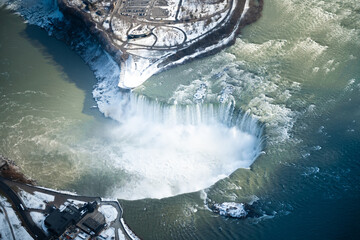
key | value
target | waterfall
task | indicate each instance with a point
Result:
(162, 149)
(174, 149)
(169, 149)
(132, 105)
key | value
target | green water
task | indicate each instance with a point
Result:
(46, 107)
(297, 69)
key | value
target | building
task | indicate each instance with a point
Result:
(93, 223)
(59, 220)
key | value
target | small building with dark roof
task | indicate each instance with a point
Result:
(58, 221)
(93, 223)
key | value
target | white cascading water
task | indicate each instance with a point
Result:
(170, 150)
(173, 149)
(163, 149)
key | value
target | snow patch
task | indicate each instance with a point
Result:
(110, 213)
(36, 200)
(76, 202)
(59, 191)
(10, 225)
(121, 235)
(128, 230)
(108, 234)
(38, 218)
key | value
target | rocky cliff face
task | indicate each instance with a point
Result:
(9, 170)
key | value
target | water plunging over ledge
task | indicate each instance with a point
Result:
(156, 150)
(172, 149)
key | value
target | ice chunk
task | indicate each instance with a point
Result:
(231, 209)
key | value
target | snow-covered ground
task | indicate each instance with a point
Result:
(170, 8)
(38, 218)
(146, 41)
(191, 9)
(110, 213)
(168, 36)
(10, 225)
(128, 230)
(76, 202)
(121, 235)
(221, 43)
(108, 234)
(120, 28)
(59, 191)
(246, 8)
(142, 65)
(36, 200)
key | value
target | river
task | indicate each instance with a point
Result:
(285, 137)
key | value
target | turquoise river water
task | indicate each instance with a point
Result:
(273, 121)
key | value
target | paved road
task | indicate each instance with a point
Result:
(60, 198)
(36, 232)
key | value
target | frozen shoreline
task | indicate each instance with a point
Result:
(139, 65)
(113, 103)
(60, 20)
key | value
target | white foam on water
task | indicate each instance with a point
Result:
(168, 161)
(261, 96)
(309, 48)
(169, 149)
(231, 209)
